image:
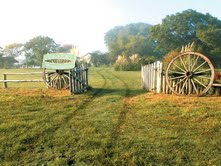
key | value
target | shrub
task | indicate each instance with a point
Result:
(133, 63)
(168, 57)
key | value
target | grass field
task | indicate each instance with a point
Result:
(115, 123)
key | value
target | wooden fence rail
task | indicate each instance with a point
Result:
(5, 80)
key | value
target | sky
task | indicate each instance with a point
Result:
(84, 23)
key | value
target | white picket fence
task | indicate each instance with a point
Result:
(152, 78)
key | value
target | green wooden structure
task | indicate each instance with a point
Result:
(60, 72)
(56, 69)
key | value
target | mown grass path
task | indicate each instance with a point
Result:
(115, 123)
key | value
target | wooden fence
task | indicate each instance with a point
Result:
(151, 77)
(79, 79)
(5, 80)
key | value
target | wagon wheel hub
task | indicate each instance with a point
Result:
(189, 74)
(60, 72)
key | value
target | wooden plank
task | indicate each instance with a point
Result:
(154, 70)
(86, 75)
(5, 83)
(23, 73)
(71, 81)
(159, 76)
(215, 84)
(21, 81)
(164, 85)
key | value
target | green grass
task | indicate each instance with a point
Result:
(116, 123)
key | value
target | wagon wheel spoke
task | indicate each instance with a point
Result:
(179, 67)
(183, 86)
(55, 83)
(194, 86)
(179, 82)
(195, 62)
(174, 78)
(199, 66)
(189, 87)
(52, 80)
(183, 63)
(65, 82)
(203, 71)
(51, 76)
(208, 78)
(60, 82)
(177, 72)
(199, 82)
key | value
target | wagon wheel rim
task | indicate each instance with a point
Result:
(190, 73)
(57, 79)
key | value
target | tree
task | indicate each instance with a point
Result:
(9, 61)
(98, 58)
(186, 27)
(65, 48)
(130, 39)
(13, 50)
(1, 58)
(5, 60)
(37, 47)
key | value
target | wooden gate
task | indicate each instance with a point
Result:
(79, 79)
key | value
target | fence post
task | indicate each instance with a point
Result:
(71, 81)
(159, 76)
(154, 70)
(5, 83)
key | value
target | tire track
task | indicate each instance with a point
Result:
(50, 131)
(109, 150)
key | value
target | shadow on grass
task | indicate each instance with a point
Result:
(115, 91)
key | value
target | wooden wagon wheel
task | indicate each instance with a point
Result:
(58, 79)
(190, 73)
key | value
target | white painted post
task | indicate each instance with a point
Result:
(159, 76)
(154, 76)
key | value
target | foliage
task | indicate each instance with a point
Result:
(13, 50)
(1, 57)
(6, 59)
(123, 63)
(130, 39)
(98, 58)
(116, 123)
(186, 27)
(65, 48)
(148, 59)
(9, 61)
(37, 47)
(168, 57)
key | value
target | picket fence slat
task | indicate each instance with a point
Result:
(152, 78)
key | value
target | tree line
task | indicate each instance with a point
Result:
(154, 42)
(33, 51)
(134, 43)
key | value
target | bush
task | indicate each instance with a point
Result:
(133, 63)
(168, 57)
(148, 60)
